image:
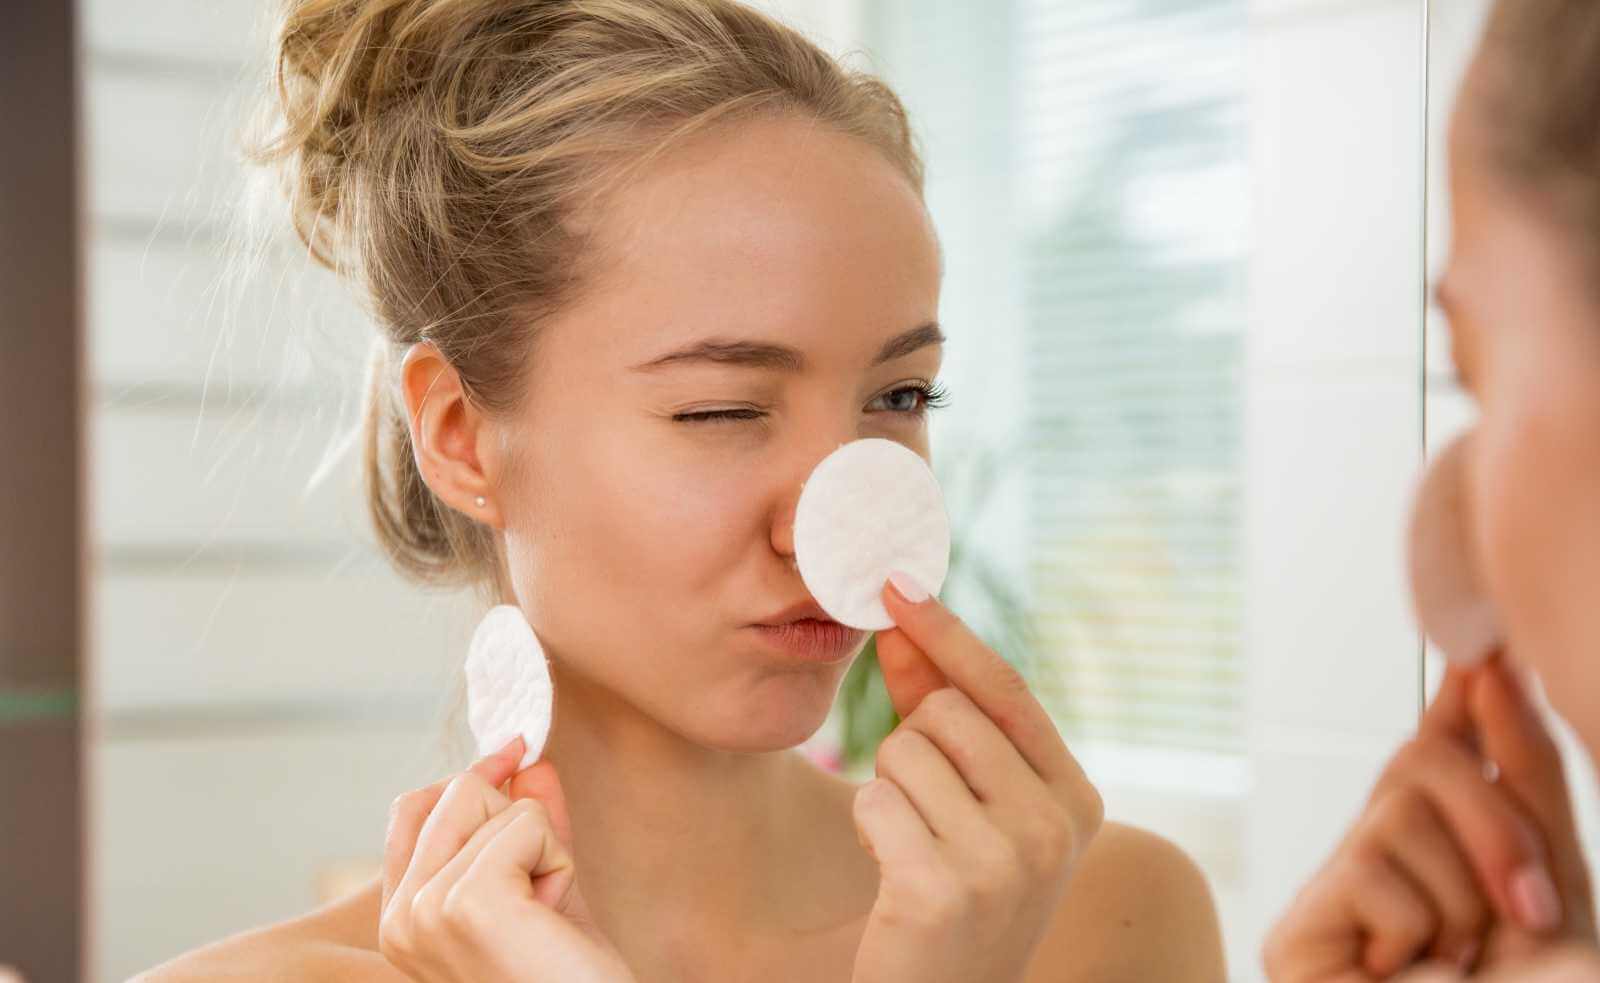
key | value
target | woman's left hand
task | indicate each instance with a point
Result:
(978, 814)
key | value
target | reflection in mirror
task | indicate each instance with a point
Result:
(1174, 256)
(1455, 33)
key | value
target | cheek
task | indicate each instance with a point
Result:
(657, 516)
(1535, 502)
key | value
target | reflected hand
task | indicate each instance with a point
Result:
(478, 885)
(977, 817)
(1569, 964)
(1445, 864)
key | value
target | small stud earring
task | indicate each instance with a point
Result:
(480, 501)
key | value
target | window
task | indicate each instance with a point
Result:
(1087, 170)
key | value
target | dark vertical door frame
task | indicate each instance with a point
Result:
(43, 868)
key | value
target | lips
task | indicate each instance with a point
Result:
(802, 610)
(813, 639)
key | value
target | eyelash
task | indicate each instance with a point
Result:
(933, 396)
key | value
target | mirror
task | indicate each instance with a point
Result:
(1183, 253)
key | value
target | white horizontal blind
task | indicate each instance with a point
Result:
(1113, 131)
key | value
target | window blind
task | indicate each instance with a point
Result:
(1114, 134)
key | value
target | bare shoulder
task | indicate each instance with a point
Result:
(335, 942)
(1138, 908)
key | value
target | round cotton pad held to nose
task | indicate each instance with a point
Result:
(1451, 603)
(870, 508)
(508, 684)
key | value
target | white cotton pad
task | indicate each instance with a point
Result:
(871, 507)
(1451, 603)
(508, 684)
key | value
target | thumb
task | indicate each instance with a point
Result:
(908, 673)
(540, 781)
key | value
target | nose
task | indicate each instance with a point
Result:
(805, 461)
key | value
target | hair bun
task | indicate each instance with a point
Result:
(339, 67)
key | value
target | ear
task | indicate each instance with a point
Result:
(450, 439)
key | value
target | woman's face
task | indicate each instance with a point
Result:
(1525, 336)
(766, 293)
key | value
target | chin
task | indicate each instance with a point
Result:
(773, 725)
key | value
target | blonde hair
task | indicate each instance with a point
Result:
(434, 152)
(1542, 105)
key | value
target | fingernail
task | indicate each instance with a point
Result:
(907, 587)
(1535, 898)
(1468, 957)
(510, 745)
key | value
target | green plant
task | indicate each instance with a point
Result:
(996, 609)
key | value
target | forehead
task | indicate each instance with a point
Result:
(778, 226)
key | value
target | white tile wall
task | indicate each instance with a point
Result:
(158, 140)
(176, 30)
(1337, 171)
(263, 683)
(1334, 426)
(1332, 643)
(250, 633)
(200, 836)
(183, 476)
(169, 311)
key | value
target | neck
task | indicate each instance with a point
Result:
(690, 840)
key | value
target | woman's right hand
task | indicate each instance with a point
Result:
(479, 885)
(1453, 860)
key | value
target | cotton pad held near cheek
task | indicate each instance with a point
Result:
(1452, 605)
(871, 507)
(508, 684)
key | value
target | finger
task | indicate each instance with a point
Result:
(1530, 770)
(908, 674)
(1447, 714)
(540, 781)
(989, 763)
(1415, 838)
(408, 813)
(994, 684)
(1394, 915)
(1499, 841)
(1515, 738)
(497, 768)
(890, 827)
(406, 816)
(527, 858)
(468, 802)
(936, 790)
(458, 864)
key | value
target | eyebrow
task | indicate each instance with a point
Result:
(765, 355)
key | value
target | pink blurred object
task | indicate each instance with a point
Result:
(825, 755)
(1446, 585)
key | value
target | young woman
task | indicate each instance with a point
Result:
(1466, 859)
(641, 264)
